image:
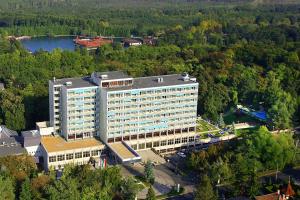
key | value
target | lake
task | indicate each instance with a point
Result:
(49, 43)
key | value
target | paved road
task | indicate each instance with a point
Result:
(188, 196)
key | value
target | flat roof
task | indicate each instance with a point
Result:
(57, 143)
(76, 82)
(138, 83)
(10, 146)
(121, 150)
(152, 81)
(112, 75)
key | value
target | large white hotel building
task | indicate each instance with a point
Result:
(139, 113)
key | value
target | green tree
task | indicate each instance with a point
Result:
(129, 189)
(205, 190)
(12, 109)
(151, 194)
(6, 188)
(25, 193)
(221, 122)
(148, 172)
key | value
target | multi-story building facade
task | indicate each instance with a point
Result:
(149, 112)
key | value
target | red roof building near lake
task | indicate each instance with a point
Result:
(92, 43)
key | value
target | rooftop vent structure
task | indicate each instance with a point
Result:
(160, 79)
(193, 79)
(185, 76)
(103, 76)
(68, 83)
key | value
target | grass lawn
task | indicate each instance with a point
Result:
(203, 126)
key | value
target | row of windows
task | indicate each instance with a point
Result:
(152, 123)
(152, 134)
(82, 98)
(70, 156)
(153, 105)
(158, 91)
(163, 143)
(85, 91)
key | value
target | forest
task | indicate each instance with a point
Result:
(239, 55)
(241, 52)
(20, 179)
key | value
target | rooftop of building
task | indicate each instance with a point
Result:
(156, 81)
(122, 151)
(132, 40)
(31, 138)
(75, 82)
(31, 133)
(10, 146)
(112, 75)
(57, 144)
(10, 143)
(138, 83)
(6, 133)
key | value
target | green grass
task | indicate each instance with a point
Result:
(203, 126)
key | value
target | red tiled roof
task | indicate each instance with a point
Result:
(90, 43)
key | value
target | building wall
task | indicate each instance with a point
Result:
(54, 106)
(54, 160)
(35, 151)
(103, 114)
(79, 113)
(155, 111)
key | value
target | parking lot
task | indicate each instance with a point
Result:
(165, 177)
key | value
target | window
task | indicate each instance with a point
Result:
(134, 146)
(69, 156)
(95, 153)
(156, 144)
(52, 159)
(86, 154)
(184, 140)
(78, 155)
(191, 139)
(170, 142)
(149, 145)
(60, 157)
(177, 140)
(142, 146)
(163, 143)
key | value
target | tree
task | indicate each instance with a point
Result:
(205, 190)
(6, 188)
(233, 128)
(25, 190)
(151, 194)
(148, 172)
(129, 189)
(221, 122)
(12, 108)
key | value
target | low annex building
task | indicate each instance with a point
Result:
(58, 152)
(10, 142)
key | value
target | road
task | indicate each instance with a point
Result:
(188, 196)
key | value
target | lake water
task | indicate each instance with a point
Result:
(49, 43)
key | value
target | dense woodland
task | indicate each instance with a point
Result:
(20, 179)
(238, 168)
(239, 54)
(244, 52)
